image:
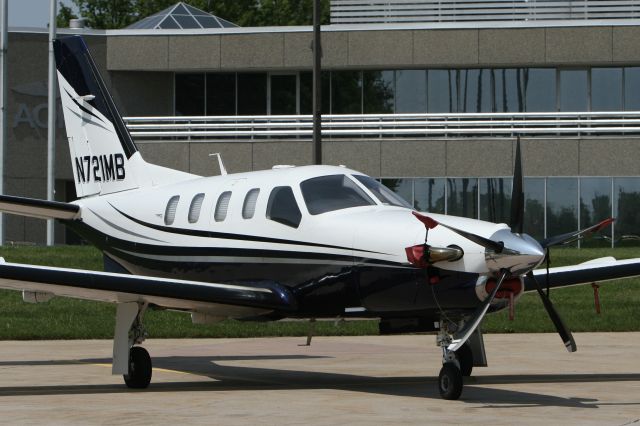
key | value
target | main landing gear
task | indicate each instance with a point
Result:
(133, 362)
(459, 364)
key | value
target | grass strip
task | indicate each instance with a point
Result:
(63, 318)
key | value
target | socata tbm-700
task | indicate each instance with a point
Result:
(291, 242)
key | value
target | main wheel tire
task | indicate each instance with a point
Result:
(140, 369)
(465, 358)
(450, 381)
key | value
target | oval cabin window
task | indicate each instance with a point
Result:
(222, 206)
(195, 207)
(249, 206)
(170, 212)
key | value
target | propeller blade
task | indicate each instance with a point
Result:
(517, 194)
(563, 331)
(496, 246)
(575, 235)
(465, 332)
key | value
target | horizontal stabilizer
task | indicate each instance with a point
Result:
(34, 207)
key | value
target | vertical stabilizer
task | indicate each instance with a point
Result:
(103, 155)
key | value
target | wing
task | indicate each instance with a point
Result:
(597, 270)
(216, 299)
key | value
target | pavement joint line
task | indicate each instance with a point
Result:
(165, 370)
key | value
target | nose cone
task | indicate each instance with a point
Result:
(520, 255)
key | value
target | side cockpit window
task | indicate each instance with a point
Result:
(334, 192)
(170, 211)
(282, 207)
(222, 206)
(249, 205)
(195, 207)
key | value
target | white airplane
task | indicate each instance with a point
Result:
(291, 242)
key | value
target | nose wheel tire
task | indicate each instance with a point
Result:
(450, 381)
(139, 375)
(465, 358)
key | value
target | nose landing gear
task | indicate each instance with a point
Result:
(459, 364)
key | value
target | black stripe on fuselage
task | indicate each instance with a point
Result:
(106, 242)
(229, 236)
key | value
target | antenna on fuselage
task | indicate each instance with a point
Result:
(223, 171)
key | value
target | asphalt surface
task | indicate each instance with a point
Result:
(531, 379)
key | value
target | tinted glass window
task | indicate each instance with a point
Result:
(328, 193)
(189, 94)
(222, 206)
(475, 91)
(540, 89)
(252, 94)
(401, 187)
(382, 193)
(595, 205)
(626, 195)
(346, 92)
(508, 90)
(411, 91)
(221, 94)
(534, 207)
(249, 205)
(562, 205)
(306, 92)
(170, 212)
(442, 91)
(574, 90)
(378, 92)
(495, 199)
(462, 197)
(632, 88)
(283, 94)
(606, 89)
(428, 195)
(282, 207)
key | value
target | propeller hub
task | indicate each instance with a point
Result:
(520, 255)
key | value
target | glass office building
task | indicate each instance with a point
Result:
(181, 62)
(412, 91)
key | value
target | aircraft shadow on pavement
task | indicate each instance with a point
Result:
(230, 378)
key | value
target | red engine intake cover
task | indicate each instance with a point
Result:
(415, 256)
(511, 286)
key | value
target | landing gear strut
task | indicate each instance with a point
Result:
(459, 364)
(133, 362)
(450, 377)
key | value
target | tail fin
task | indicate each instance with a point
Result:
(103, 155)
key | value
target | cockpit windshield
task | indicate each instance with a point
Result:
(382, 193)
(334, 192)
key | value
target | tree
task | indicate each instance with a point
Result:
(65, 14)
(109, 14)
